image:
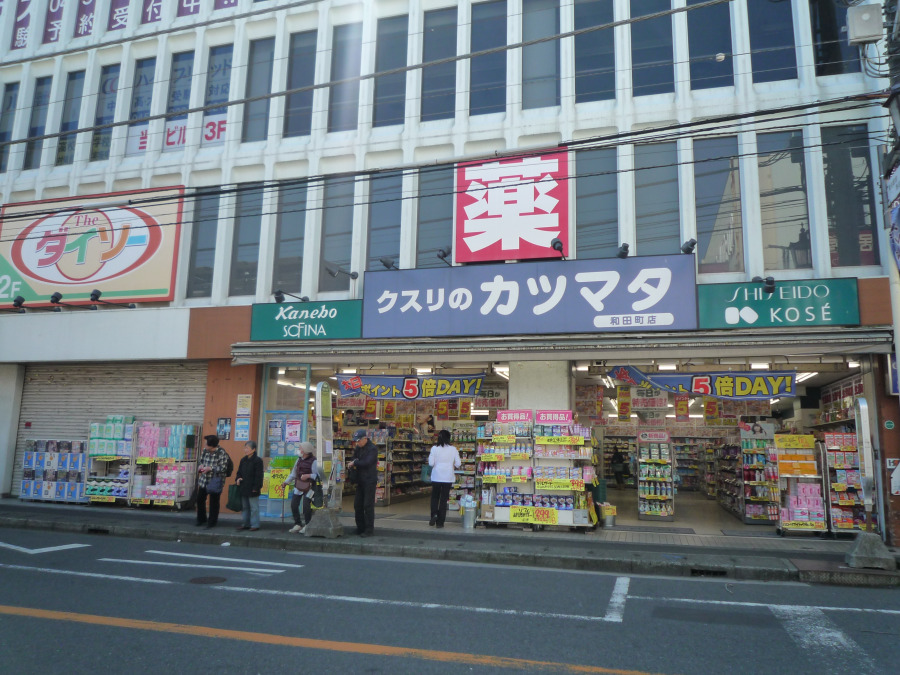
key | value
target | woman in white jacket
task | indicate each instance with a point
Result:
(443, 458)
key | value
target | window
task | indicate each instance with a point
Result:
(596, 204)
(390, 53)
(595, 59)
(38, 124)
(782, 201)
(259, 83)
(65, 149)
(245, 244)
(439, 81)
(852, 235)
(289, 235)
(829, 27)
(652, 56)
(657, 219)
(301, 73)
(203, 244)
(7, 117)
(337, 234)
(218, 85)
(771, 40)
(343, 104)
(717, 189)
(709, 34)
(106, 111)
(179, 100)
(435, 222)
(141, 98)
(540, 62)
(385, 203)
(487, 73)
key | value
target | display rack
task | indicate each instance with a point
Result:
(690, 463)
(709, 471)
(561, 470)
(729, 479)
(656, 480)
(801, 483)
(54, 470)
(759, 474)
(110, 455)
(164, 468)
(463, 437)
(627, 445)
(847, 510)
(400, 460)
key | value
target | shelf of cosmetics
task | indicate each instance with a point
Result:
(490, 471)
(510, 496)
(525, 449)
(529, 430)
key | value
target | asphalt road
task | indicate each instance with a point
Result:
(91, 603)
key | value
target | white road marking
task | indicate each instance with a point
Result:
(811, 630)
(94, 575)
(736, 603)
(48, 549)
(213, 557)
(196, 566)
(616, 608)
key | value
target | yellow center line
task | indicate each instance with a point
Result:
(309, 643)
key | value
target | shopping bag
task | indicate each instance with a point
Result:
(426, 473)
(235, 503)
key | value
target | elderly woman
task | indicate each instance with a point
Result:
(303, 476)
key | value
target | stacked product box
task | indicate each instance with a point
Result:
(53, 470)
(174, 482)
(805, 504)
(112, 438)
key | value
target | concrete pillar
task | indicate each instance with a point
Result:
(540, 385)
(12, 377)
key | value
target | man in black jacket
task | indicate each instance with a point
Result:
(250, 480)
(366, 464)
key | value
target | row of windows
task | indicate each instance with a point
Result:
(653, 72)
(783, 207)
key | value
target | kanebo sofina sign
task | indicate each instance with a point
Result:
(512, 209)
(75, 245)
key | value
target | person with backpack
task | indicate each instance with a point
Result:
(211, 473)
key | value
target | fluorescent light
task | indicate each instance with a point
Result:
(582, 369)
(853, 364)
(348, 371)
(773, 401)
(803, 377)
(481, 412)
(667, 366)
(423, 371)
(759, 366)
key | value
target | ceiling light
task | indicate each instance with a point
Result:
(803, 377)
(853, 364)
(481, 412)
(582, 369)
(759, 366)
(667, 366)
(348, 371)
(423, 371)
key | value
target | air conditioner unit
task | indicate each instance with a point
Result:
(864, 24)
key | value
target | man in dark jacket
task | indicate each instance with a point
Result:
(366, 464)
(250, 480)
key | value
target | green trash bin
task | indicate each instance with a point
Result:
(598, 492)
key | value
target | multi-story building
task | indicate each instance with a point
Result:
(303, 146)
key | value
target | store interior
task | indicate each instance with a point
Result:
(825, 387)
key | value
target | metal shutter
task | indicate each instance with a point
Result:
(62, 400)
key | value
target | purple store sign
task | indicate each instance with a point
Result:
(188, 7)
(560, 296)
(84, 18)
(151, 11)
(224, 4)
(118, 14)
(53, 21)
(21, 24)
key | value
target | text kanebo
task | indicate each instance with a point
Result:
(288, 313)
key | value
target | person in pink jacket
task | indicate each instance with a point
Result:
(443, 458)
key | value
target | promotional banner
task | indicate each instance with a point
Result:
(91, 242)
(53, 21)
(21, 24)
(623, 399)
(410, 387)
(682, 407)
(306, 320)
(118, 15)
(814, 302)
(578, 296)
(648, 398)
(761, 385)
(84, 18)
(710, 409)
(512, 209)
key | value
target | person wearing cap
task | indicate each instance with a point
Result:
(210, 480)
(303, 476)
(366, 464)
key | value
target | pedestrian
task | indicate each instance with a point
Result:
(443, 459)
(617, 464)
(212, 470)
(303, 476)
(366, 463)
(250, 479)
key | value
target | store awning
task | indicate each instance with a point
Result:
(619, 346)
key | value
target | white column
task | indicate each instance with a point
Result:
(540, 385)
(12, 377)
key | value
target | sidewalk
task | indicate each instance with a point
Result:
(407, 534)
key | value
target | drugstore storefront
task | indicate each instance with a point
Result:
(577, 371)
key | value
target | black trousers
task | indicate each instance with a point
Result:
(440, 494)
(214, 498)
(295, 509)
(364, 506)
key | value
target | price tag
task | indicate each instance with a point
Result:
(846, 502)
(795, 442)
(559, 484)
(839, 487)
(492, 457)
(544, 516)
(166, 502)
(520, 479)
(504, 439)
(659, 497)
(521, 514)
(140, 501)
(559, 440)
(519, 455)
(803, 525)
(493, 479)
(102, 498)
(145, 460)
(844, 526)
(106, 458)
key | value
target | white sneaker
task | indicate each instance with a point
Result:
(303, 531)
(295, 529)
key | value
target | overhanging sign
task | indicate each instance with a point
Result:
(306, 320)
(814, 302)
(575, 296)
(749, 385)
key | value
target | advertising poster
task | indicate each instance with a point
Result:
(293, 431)
(242, 429)
(244, 405)
(442, 410)
(389, 411)
(275, 431)
(623, 399)
(710, 409)
(682, 407)
(276, 480)
(124, 244)
(223, 428)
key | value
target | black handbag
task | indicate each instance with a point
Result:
(353, 475)
(235, 502)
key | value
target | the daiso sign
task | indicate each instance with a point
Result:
(123, 244)
(306, 320)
